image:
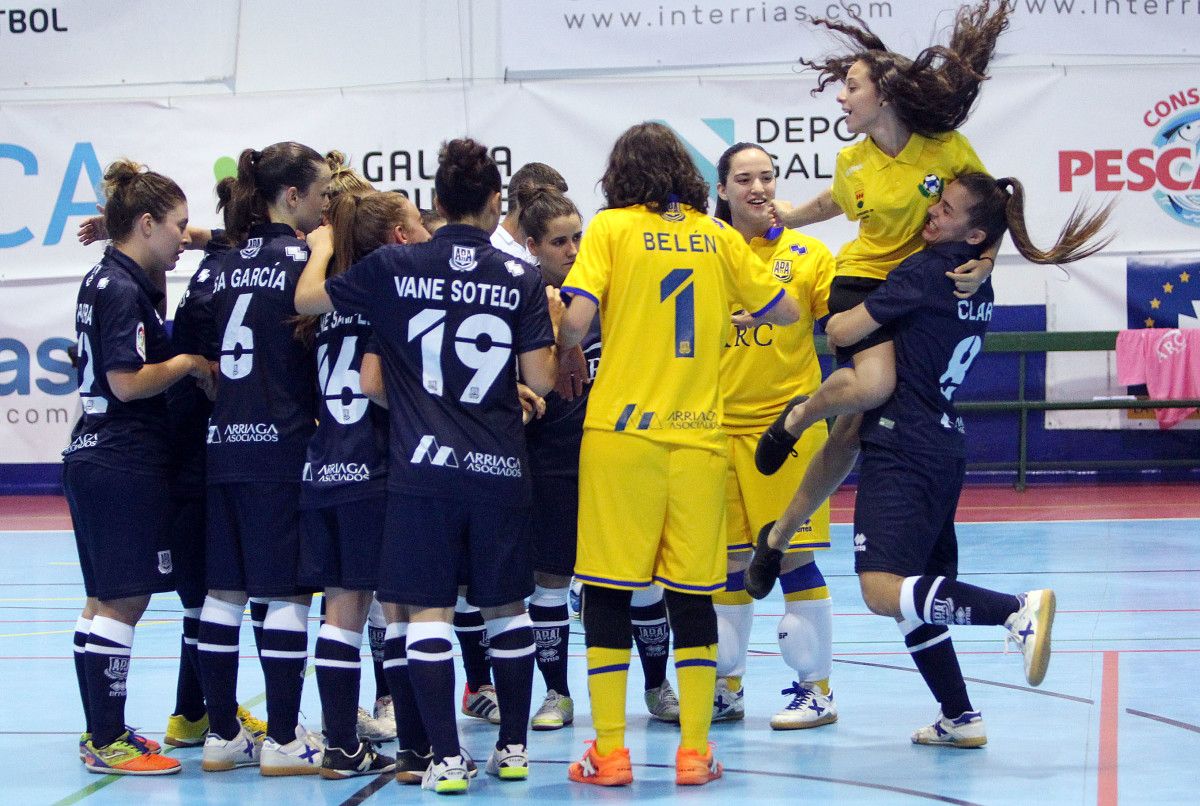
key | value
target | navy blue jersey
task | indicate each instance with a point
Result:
(555, 437)
(449, 316)
(347, 456)
(266, 401)
(937, 337)
(117, 327)
(193, 331)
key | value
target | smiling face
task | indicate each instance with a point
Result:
(950, 219)
(558, 247)
(860, 99)
(748, 187)
(166, 239)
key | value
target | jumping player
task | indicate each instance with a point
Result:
(653, 459)
(116, 466)
(449, 317)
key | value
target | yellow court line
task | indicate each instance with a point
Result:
(49, 599)
(149, 623)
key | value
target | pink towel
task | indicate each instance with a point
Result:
(1167, 361)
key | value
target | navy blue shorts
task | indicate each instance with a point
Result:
(120, 524)
(554, 523)
(187, 536)
(339, 544)
(846, 293)
(904, 513)
(254, 538)
(428, 540)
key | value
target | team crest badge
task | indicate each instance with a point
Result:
(307, 474)
(463, 258)
(140, 343)
(252, 247)
(102, 284)
(931, 186)
(783, 271)
(214, 435)
(514, 267)
(673, 212)
(164, 562)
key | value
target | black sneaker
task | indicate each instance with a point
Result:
(338, 764)
(411, 766)
(777, 444)
(764, 566)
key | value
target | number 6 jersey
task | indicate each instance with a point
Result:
(263, 416)
(450, 317)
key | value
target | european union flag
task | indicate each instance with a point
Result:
(1163, 293)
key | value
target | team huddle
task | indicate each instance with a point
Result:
(439, 418)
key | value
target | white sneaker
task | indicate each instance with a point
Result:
(379, 728)
(447, 777)
(728, 705)
(662, 703)
(509, 763)
(221, 754)
(809, 708)
(964, 731)
(1030, 629)
(301, 756)
(483, 703)
(557, 710)
(385, 709)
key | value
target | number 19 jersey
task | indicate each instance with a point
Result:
(665, 283)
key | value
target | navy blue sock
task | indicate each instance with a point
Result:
(410, 732)
(945, 600)
(512, 650)
(83, 626)
(375, 638)
(933, 653)
(338, 673)
(106, 661)
(218, 647)
(283, 656)
(473, 641)
(552, 631)
(189, 696)
(431, 670)
(651, 634)
(258, 612)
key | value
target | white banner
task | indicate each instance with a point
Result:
(557, 35)
(96, 43)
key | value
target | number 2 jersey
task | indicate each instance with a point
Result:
(665, 283)
(118, 328)
(450, 316)
(266, 403)
(938, 337)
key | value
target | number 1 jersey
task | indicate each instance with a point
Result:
(450, 317)
(266, 393)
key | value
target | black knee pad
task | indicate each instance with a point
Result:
(605, 617)
(693, 619)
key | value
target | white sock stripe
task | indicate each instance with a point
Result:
(190, 641)
(644, 597)
(112, 630)
(908, 607)
(937, 639)
(461, 606)
(397, 629)
(99, 649)
(908, 625)
(429, 657)
(929, 597)
(548, 597)
(499, 626)
(375, 616)
(544, 624)
(218, 611)
(203, 647)
(192, 612)
(650, 622)
(425, 630)
(83, 625)
(471, 628)
(337, 664)
(285, 654)
(392, 663)
(78, 649)
(341, 636)
(511, 653)
(289, 616)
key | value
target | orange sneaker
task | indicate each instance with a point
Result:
(126, 756)
(613, 769)
(693, 769)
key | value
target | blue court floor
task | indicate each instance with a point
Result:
(1117, 719)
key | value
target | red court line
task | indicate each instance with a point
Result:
(1106, 769)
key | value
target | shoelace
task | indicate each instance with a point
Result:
(800, 695)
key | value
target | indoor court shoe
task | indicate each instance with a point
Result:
(557, 710)
(125, 757)
(695, 769)
(963, 731)
(254, 726)
(1030, 629)
(776, 444)
(509, 763)
(447, 777)
(662, 703)
(336, 763)
(411, 766)
(728, 705)
(613, 769)
(149, 744)
(220, 754)
(809, 708)
(764, 566)
(481, 703)
(301, 756)
(385, 711)
(376, 728)
(184, 732)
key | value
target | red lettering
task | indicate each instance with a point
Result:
(1108, 170)
(1070, 165)
(1141, 163)
(1164, 168)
